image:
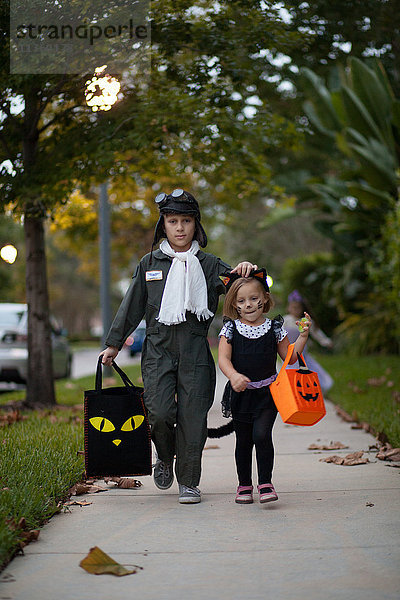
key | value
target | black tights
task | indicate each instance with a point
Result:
(258, 434)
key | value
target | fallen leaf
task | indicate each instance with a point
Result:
(331, 446)
(376, 381)
(98, 563)
(343, 414)
(77, 503)
(124, 483)
(389, 453)
(30, 536)
(337, 460)
(355, 458)
(354, 388)
(128, 483)
(382, 438)
(84, 488)
(11, 417)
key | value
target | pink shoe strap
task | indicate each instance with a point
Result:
(265, 485)
(244, 488)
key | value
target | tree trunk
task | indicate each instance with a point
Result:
(40, 384)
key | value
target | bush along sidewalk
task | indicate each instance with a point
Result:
(368, 389)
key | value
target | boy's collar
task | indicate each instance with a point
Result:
(160, 255)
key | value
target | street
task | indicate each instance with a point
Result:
(84, 361)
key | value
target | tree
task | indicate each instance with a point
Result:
(336, 30)
(207, 68)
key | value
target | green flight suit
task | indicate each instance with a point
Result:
(177, 366)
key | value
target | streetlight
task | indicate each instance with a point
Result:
(9, 254)
(101, 94)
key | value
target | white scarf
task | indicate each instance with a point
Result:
(185, 288)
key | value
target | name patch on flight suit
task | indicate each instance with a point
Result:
(154, 275)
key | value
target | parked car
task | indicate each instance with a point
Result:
(14, 349)
(135, 340)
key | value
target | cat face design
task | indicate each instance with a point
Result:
(104, 425)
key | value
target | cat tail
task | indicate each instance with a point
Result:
(222, 431)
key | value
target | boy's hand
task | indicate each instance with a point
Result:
(108, 355)
(239, 382)
(244, 269)
(304, 325)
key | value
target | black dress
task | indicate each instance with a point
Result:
(255, 358)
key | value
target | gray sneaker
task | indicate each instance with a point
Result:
(189, 495)
(163, 475)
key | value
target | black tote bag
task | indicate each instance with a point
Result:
(117, 432)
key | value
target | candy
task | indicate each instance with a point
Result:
(303, 321)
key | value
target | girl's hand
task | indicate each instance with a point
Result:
(108, 355)
(239, 382)
(305, 325)
(244, 268)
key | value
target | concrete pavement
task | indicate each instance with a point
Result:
(333, 534)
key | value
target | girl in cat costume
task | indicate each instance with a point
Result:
(248, 348)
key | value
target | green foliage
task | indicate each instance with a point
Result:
(355, 120)
(378, 318)
(335, 29)
(198, 60)
(309, 274)
(367, 387)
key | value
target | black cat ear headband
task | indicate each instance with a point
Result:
(261, 275)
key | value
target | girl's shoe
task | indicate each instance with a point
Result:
(267, 492)
(244, 494)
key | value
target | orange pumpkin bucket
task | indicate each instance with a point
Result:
(297, 393)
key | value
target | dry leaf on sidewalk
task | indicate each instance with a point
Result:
(389, 453)
(124, 483)
(77, 503)
(355, 458)
(331, 446)
(99, 563)
(84, 488)
(343, 414)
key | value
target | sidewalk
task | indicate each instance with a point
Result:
(322, 540)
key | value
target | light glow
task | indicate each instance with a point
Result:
(101, 91)
(9, 254)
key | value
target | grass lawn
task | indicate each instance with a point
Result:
(368, 388)
(39, 461)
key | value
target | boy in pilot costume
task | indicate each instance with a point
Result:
(176, 289)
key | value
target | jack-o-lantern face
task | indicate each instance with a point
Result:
(306, 382)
